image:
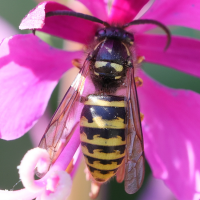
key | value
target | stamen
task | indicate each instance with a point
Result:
(15, 185)
(140, 59)
(70, 167)
(77, 63)
(141, 116)
(138, 81)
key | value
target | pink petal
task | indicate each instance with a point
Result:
(97, 8)
(183, 53)
(38, 130)
(171, 136)
(67, 27)
(68, 152)
(29, 71)
(180, 12)
(156, 189)
(77, 161)
(123, 11)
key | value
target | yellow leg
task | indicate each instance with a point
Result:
(95, 186)
(141, 116)
(138, 81)
(140, 59)
(76, 63)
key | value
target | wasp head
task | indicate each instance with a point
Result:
(115, 33)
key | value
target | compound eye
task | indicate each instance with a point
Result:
(131, 38)
(101, 32)
(124, 36)
(116, 32)
(128, 37)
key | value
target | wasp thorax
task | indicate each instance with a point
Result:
(110, 63)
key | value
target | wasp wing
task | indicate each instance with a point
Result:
(63, 124)
(134, 160)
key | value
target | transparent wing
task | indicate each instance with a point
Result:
(134, 160)
(64, 120)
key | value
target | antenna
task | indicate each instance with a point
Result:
(76, 14)
(151, 21)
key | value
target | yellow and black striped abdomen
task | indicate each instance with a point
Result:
(102, 128)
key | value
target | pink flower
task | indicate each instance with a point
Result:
(30, 69)
(156, 189)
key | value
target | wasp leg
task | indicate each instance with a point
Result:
(141, 116)
(140, 59)
(83, 99)
(77, 63)
(120, 172)
(138, 81)
(95, 186)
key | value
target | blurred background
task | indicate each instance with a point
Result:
(11, 152)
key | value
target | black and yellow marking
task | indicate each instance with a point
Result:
(102, 141)
(118, 77)
(99, 64)
(113, 66)
(103, 101)
(99, 122)
(111, 59)
(103, 123)
(103, 152)
(103, 164)
(108, 69)
(101, 175)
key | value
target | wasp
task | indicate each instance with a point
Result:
(103, 100)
